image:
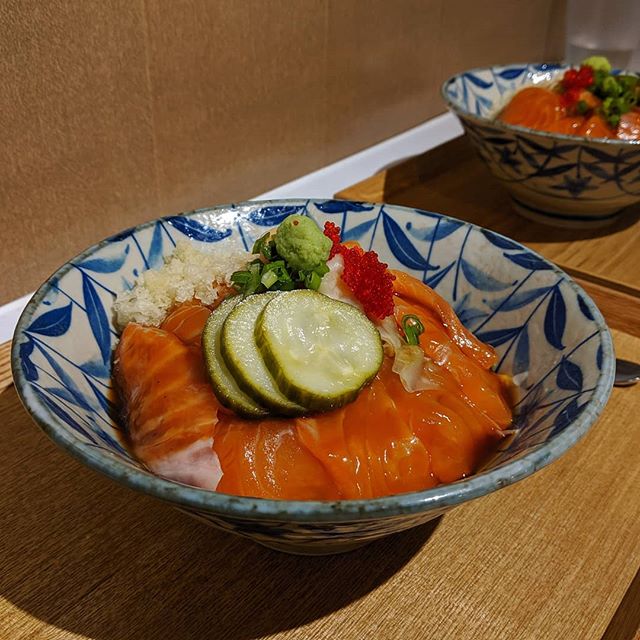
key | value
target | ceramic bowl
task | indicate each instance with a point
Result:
(556, 179)
(548, 333)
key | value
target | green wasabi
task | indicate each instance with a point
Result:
(302, 244)
(597, 63)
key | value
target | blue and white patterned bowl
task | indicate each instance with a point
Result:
(556, 179)
(548, 333)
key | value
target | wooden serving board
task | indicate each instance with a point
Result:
(556, 556)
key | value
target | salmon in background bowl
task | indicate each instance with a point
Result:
(548, 335)
(553, 178)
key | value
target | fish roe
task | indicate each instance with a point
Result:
(369, 279)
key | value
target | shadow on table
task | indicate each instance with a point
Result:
(87, 556)
(453, 180)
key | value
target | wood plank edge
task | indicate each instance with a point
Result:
(620, 310)
(625, 623)
(6, 379)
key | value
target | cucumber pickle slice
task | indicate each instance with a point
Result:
(224, 384)
(320, 351)
(241, 354)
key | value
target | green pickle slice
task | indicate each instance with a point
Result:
(224, 384)
(245, 362)
(320, 351)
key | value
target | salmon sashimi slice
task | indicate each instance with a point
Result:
(369, 449)
(596, 127)
(187, 321)
(462, 375)
(266, 459)
(457, 436)
(534, 107)
(541, 108)
(409, 288)
(170, 407)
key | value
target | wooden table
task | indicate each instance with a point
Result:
(555, 556)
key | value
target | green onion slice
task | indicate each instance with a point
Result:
(412, 327)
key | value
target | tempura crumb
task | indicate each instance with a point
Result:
(187, 273)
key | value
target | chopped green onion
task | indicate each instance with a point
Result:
(268, 271)
(582, 107)
(259, 244)
(412, 327)
(312, 280)
(610, 87)
(286, 286)
(265, 246)
(619, 94)
(269, 278)
(240, 277)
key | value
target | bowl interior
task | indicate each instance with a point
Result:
(479, 94)
(482, 92)
(549, 335)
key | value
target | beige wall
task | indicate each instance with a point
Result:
(116, 111)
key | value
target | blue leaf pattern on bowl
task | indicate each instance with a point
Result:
(195, 230)
(97, 317)
(28, 368)
(342, 206)
(273, 216)
(528, 261)
(555, 319)
(106, 265)
(521, 358)
(52, 323)
(569, 376)
(356, 233)
(481, 279)
(401, 247)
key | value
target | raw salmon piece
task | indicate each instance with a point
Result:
(534, 107)
(411, 289)
(265, 459)
(387, 441)
(465, 376)
(368, 449)
(541, 108)
(596, 127)
(457, 435)
(569, 126)
(187, 321)
(170, 407)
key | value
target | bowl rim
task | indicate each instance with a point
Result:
(312, 511)
(555, 67)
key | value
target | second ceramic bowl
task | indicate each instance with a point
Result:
(556, 179)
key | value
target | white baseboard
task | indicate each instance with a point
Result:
(324, 182)
(9, 314)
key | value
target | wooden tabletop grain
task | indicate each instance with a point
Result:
(555, 556)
